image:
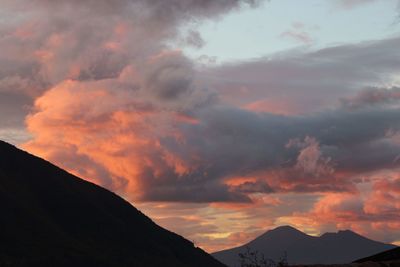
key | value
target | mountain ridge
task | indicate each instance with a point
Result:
(53, 218)
(343, 246)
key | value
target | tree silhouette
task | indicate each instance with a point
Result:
(251, 258)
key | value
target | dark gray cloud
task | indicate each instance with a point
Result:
(253, 187)
(11, 104)
(233, 142)
(373, 97)
(194, 38)
(192, 192)
(301, 82)
(171, 78)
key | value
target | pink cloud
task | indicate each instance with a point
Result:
(374, 214)
(116, 107)
(353, 3)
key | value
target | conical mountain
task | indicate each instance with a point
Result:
(300, 248)
(52, 218)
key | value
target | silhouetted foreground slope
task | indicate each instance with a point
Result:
(389, 255)
(330, 248)
(52, 218)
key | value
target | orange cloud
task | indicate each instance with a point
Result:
(374, 213)
(120, 110)
(384, 199)
(110, 131)
(276, 106)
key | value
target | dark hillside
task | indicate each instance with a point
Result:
(52, 218)
(389, 255)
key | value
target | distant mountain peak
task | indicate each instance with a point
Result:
(343, 246)
(285, 228)
(346, 232)
(285, 231)
(343, 234)
(349, 233)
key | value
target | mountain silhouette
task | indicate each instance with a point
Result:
(52, 218)
(389, 255)
(300, 248)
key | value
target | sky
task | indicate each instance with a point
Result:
(218, 119)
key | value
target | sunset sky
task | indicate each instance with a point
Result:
(219, 119)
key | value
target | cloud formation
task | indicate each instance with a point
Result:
(48, 42)
(116, 56)
(297, 136)
(373, 97)
(353, 3)
(184, 150)
(298, 82)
